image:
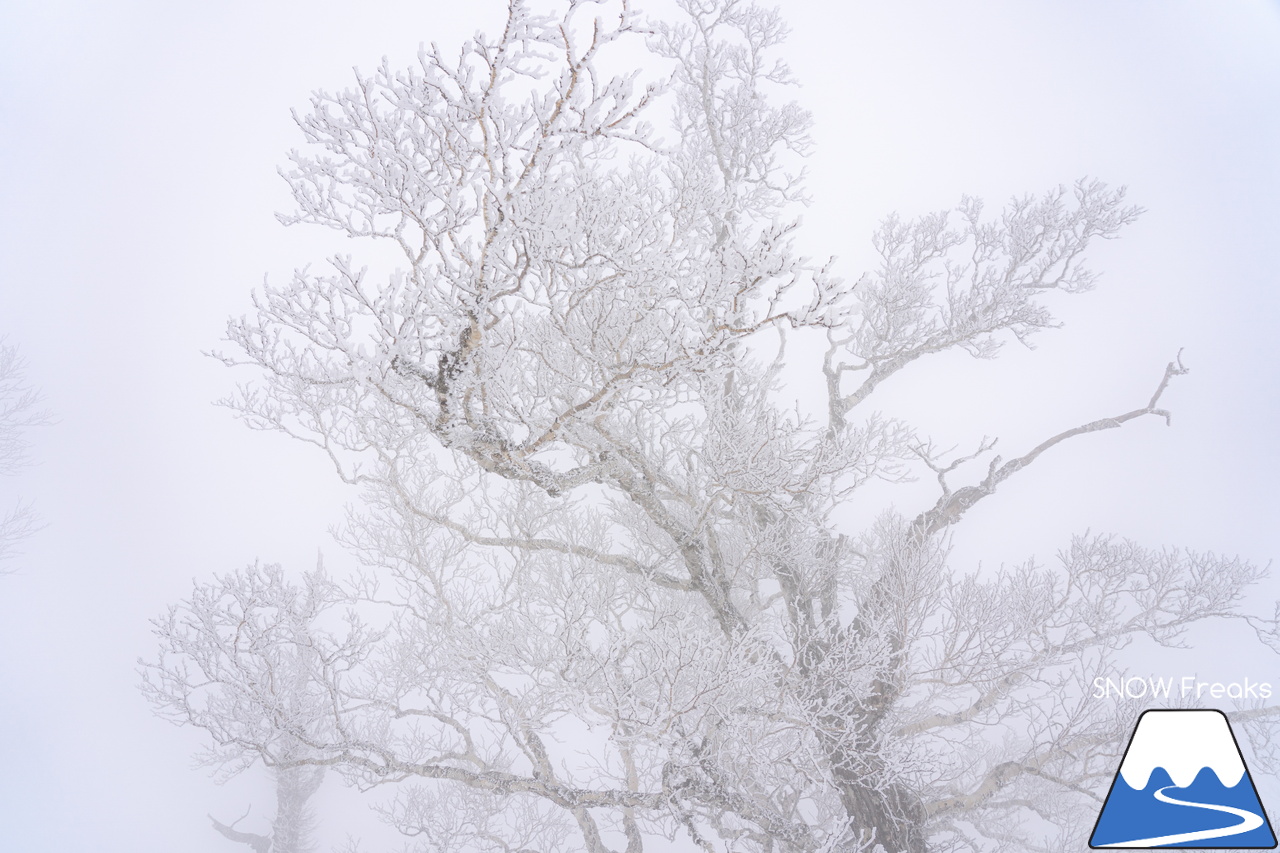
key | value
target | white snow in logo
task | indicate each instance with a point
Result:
(1183, 743)
(1248, 822)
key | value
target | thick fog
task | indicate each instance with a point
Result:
(140, 142)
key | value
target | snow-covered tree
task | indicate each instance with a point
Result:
(18, 413)
(249, 647)
(613, 599)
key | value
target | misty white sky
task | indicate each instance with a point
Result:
(139, 141)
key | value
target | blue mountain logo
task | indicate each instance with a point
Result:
(1183, 783)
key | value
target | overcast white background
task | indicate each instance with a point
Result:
(138, 146)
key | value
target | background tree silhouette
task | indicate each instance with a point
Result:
(18, 413)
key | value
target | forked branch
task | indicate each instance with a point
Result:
(952, 505)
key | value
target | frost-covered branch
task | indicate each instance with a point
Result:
(952, 505)
(941, 287)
